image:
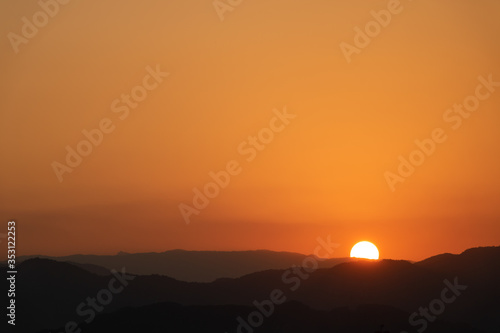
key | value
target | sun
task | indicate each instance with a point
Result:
(364, 250)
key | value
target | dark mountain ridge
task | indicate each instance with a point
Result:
(51, 291)
(195, 266)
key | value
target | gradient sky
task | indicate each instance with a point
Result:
(322, 175)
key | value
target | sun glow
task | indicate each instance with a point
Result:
(365, 250)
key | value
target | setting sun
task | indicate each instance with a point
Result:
(365, 250)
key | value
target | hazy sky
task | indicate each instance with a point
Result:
(323, 173)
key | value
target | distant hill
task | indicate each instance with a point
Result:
(50, 291)
(195, 266)
(98, 270)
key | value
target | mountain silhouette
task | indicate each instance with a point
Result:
(194, 266)
(334, 298)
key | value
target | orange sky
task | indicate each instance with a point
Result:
(323, 174)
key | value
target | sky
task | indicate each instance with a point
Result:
(307, 113)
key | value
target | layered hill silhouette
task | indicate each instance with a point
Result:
(195, 266)
(349, 297)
